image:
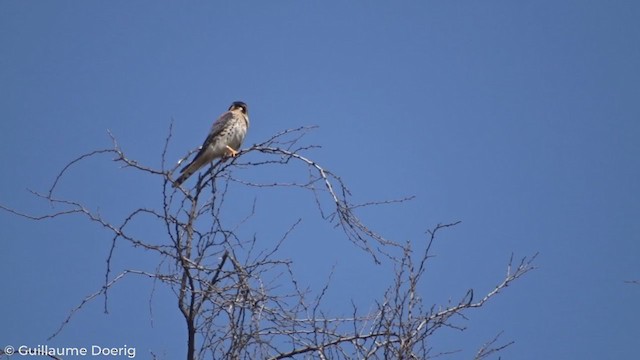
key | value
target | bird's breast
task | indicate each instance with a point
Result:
(236, 134)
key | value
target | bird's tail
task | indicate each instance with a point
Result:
(186, 172)
(180, 180)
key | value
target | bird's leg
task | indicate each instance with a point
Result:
(232, 152)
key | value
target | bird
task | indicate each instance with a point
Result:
(224, 140)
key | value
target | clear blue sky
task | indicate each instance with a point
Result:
(522, 119)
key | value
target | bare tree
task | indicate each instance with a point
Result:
(241, 300)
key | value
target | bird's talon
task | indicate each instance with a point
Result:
(232, 152)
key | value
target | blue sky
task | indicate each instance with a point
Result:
(521, 119)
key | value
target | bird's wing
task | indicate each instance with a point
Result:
(216, 129)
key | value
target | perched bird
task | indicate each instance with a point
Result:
(224, 139)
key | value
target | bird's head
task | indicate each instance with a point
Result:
(238, 105)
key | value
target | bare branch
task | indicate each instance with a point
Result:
(490, 347)
(238, 297)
